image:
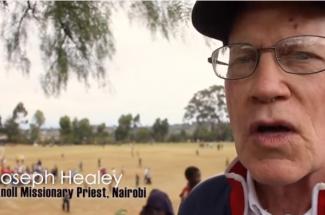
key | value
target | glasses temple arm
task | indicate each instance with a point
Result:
(218, 62)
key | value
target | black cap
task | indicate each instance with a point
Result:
(214, 18)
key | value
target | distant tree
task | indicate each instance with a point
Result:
(1, 126)
(142, 135)
(11, 129)
(65, 129)
(207, 106)
(81, 131)
(136, 121)
(208, 110)
(123, 129)
(101, 129)
(85, 132)
(160, 129)
(76, 36)
(12, 124)
(39, 118)
(101, 135)
(220, 132)
(20, 113)
(178, 137)
(223, 132)
(35, 126)
(75, 128)
(203, 133)
(127, 125)
(34, 133)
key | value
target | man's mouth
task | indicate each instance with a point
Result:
(272, 133)
(271, 127)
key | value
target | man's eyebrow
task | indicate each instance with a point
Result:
(290, 47)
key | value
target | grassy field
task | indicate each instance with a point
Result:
(166, 161)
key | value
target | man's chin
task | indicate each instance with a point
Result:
(276, 175)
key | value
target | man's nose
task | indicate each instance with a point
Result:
(269, 81)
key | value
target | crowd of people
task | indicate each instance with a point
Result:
(20, 168)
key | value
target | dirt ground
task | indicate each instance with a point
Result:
(166, 161)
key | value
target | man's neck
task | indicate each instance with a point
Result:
(294, 199)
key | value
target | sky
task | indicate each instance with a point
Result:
(148, 75)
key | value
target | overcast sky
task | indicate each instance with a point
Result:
(152, 77)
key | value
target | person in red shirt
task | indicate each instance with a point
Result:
(193, 177)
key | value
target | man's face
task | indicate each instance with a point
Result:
(278, 119)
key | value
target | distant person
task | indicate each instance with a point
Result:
(66, 203)
(158, 203)
(113, 171)
(137, 180)
(140, 162)
(3, 162)
(227, 162)
(147, 176)
(38, 168)
(55, 171)
(7, 171)
(102, 171)
(81, 166)
(99, 163)
(197, 152)
(193, 177)
(28, 171)
(20, 167)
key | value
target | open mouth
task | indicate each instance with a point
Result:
(272, 128)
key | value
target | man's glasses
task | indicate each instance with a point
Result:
(299, 55)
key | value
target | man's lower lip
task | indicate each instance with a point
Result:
(272, 139)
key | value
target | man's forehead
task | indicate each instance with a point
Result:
(279, 19)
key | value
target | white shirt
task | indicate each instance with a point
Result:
(254, 206)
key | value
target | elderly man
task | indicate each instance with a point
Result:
(272, 61)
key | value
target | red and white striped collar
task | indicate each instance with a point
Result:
(236, 175)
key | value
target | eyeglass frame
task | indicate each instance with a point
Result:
(259, 51)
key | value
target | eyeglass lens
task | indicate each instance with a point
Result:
(298, 55)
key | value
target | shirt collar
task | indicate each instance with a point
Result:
(253, 202)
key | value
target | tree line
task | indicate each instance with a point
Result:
(205, 119)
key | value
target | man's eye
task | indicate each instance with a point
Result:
(242, 60)
(299, 55)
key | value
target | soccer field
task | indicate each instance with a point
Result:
(167, 163)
